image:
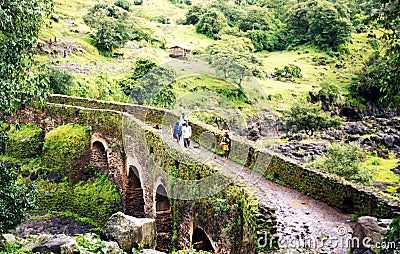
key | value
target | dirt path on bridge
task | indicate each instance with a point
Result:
(302, 221)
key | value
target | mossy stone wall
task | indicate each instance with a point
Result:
(25, 141)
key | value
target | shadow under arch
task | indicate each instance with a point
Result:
(135, 203)
(201, 241)
(99, 156)
(163, 220)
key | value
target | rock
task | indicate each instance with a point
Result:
(396, 170)
(61, 244)
(367, 226)
(54, 177)
(7, 238)
(130, 232)
(388, 141)
(112, 248)
(147, 251)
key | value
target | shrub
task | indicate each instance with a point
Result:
(211, 23)
(344, 160)
(60, 81)
(4, 127)
(288, 72)
(392, 235)
(96, 198)
(138, 2)
(124, 4)
(63, 146)
(16, 199)
(24, 142)
(310, 118)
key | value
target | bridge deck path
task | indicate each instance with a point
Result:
(299, 217)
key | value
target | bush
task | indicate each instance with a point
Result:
(60, 81)
(392, 235)
(344, 160)
(310, 118)
(96, 198)
(288, 72)
(124, 4)
(63, 146)
(24, 142)
(211, 23)
(16, 199)
(138, 2)
(4, 127)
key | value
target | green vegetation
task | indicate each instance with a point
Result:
(24, 141)
(60, 81)
(63, 146)
(96, 199)
(344, 160)
(21, 81)
(310, 118)
(16, 199)
(392, 235)
(288, 72)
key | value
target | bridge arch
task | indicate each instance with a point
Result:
(134, 203)
(99, 153)
(202, 241)
(163, 219)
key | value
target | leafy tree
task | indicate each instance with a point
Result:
(344, 160)
(150, 84)
(16, 199)
(124, 4)
(318, 22)
(233, 58)
(233, 13)
(211, 23)
(60, 81)
(20, 82)
(289, 72)
(257, 18)
(310, 118)
(111, 22)
(194, 14)
(386, 67)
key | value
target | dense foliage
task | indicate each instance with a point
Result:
(150, 84)
(24, 142)
(20, 82)
(211, 23)
(344, 160)
(379, 80)
(60, 81)
(310, 118)
(63, 146)
(16, 199)
(96, 199)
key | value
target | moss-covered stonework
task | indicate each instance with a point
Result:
(24, 141)
(66, 150)
(105, 119)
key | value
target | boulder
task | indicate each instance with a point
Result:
(112, 248)
(367, 227)
(7, 238)
(58, 244)
(388, 141)
(148, 251)
(130, 232)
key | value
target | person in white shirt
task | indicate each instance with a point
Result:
(186, 133)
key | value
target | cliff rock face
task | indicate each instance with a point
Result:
(130, 232)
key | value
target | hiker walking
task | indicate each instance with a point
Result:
(187, 133)
(183, 119)
(177, 131)
(226, 144)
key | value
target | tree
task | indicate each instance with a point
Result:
(60, 81)
(20, 82)
(233, 57)
(257, 18)
(150, 84)
(318, 22)
(16, 199)
(211, 23)
(310, 118)
(388, 80)
(193, 15)
(289, 72)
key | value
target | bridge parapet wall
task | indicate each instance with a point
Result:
(328, 188)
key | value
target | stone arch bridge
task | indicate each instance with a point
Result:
(230, 222)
